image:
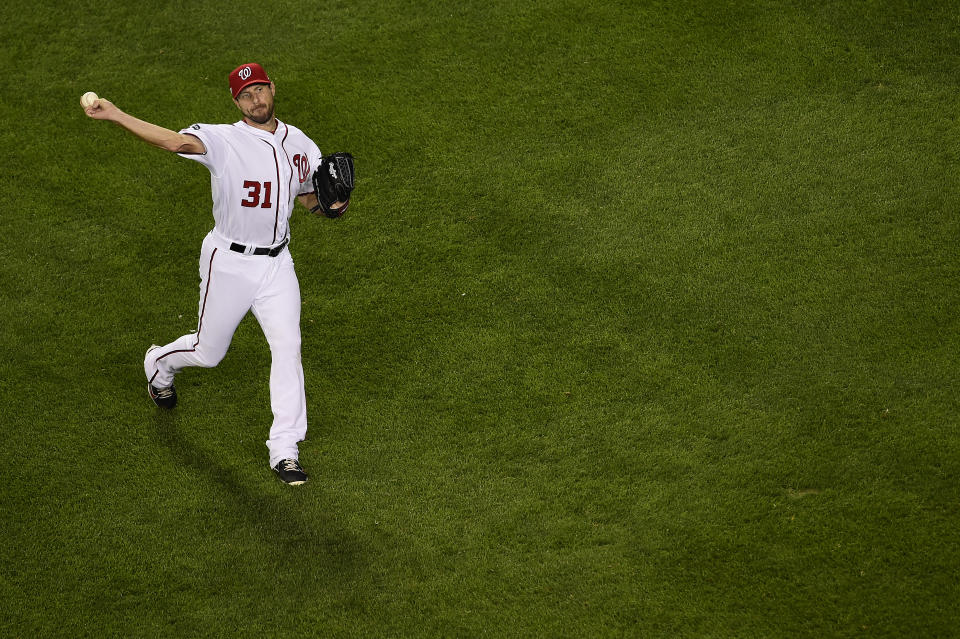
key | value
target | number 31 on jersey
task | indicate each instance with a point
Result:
(254, 192)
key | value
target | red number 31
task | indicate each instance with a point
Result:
(253, 194)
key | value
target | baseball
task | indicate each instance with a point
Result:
(88, 98)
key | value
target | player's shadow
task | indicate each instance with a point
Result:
(275, 517)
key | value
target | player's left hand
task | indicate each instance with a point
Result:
(333, 183)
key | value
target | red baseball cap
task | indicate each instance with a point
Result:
(245, 75)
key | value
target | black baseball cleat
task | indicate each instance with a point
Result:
(163, 397)
(290, 472)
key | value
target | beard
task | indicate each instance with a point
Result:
(262, 116)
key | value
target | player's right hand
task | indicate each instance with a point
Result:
(101, 109)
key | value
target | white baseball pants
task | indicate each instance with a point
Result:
(231, 284)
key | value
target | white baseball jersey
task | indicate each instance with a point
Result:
(255, 177)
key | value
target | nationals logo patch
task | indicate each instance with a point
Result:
(302, 165)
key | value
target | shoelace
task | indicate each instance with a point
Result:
(291, 464)
(163, 393)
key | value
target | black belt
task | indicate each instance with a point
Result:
(260, 250)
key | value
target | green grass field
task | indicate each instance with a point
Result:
(643, 322)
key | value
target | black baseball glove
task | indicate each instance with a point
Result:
(333, 182)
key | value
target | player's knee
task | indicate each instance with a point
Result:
(287, 346)
(209, 356)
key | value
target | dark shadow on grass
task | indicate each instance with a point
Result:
(297, 543)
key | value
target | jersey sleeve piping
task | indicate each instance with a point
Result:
(201, 141)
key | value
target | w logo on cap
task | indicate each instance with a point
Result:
(246, 74)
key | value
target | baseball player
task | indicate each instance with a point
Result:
(259, 166)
